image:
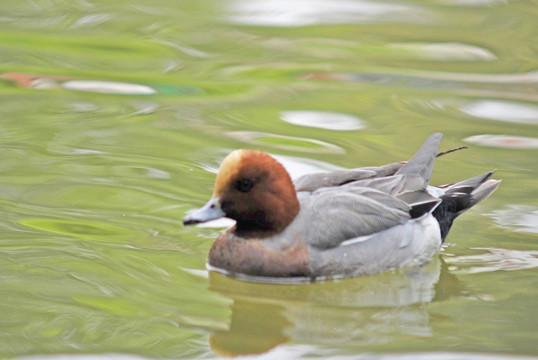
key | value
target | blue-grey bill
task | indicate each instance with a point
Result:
(208, 212)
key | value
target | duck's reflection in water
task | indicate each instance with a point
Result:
(364, 310)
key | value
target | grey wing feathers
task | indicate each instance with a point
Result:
(311, 182)
(338, 215)
(392, 185)
(422, 163)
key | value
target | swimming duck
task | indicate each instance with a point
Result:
(329, 225)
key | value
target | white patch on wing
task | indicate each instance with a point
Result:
(435, 191)
(423, 229)
(357, 240)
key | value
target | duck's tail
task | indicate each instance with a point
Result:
(422, 163)
(462, 196)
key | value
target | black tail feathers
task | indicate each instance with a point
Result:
(462, 196)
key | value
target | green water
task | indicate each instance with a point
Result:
(93, 256)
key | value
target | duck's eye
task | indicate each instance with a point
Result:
(244, 185)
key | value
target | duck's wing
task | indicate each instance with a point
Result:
(312, 182)
(363, 208)
(367, 206)
(420, 165)
(335, 215)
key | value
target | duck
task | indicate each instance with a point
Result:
(330, 225)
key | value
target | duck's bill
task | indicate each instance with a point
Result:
(210, 211)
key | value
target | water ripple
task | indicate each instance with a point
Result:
(295, 166)
(323, 119)
(92, 20)
(496, 259)
(504, 141)
(446, 51)
(502, 111)
(285, 142)
(520, 218)
(309, 12)
(518, 86)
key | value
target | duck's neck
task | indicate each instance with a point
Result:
(269, 223)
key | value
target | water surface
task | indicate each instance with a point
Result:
(115, 116)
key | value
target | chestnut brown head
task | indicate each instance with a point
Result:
(256, 191)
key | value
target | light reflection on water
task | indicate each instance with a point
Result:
(514, 217)
(285, 142)
(497, 259)
(323, 120)
(445, 51)
(504, 141)
(503, 111)
(304, 12)
(95, 180)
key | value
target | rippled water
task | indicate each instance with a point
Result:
(115, 116)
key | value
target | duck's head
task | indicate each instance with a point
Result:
(253, 189)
